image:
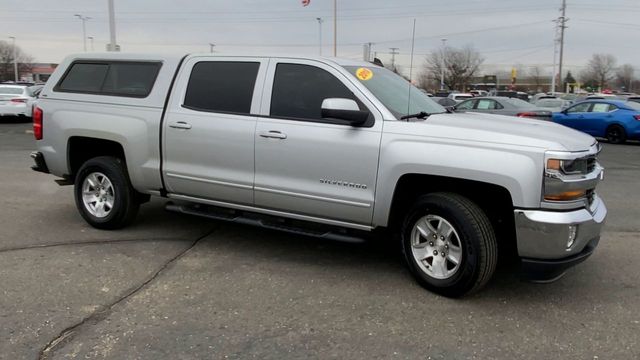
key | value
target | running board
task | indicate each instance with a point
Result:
(297, 227)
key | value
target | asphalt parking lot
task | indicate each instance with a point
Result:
(178, 287)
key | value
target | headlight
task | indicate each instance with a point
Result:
(569, 179)
(570, 167)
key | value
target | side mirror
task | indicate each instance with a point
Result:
(344, 109)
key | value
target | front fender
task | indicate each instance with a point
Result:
(517, 169)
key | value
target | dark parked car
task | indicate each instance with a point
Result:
(615, 120)
(503, 106)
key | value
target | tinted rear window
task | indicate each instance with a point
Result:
(222, 86)
(134, 79)
(130, 79)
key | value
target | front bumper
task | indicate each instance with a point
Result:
(543, 238)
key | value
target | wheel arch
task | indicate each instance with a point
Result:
(82, 148)
(495, 200)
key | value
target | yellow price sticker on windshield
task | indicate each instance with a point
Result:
(364, 74)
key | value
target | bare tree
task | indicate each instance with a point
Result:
(6, 61)
(600, 70)
(625, 76)
(537, 76)
(459, 66)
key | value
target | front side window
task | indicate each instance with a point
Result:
(222, 86)
(584, 107)
(298, 91)
(485, 104)
(466, 105)
(602, 108)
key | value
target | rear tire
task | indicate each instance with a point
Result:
(104, 195)
(616, 134)
(449, 244)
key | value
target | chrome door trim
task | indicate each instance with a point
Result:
(271, 212)
(210, 181)
(313, 197)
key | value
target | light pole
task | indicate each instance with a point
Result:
(84, 29)
(319, 35)
(335, 27)
(15, 58)
(91, 39)
(444, 48)
(112, 28)
(211, 47)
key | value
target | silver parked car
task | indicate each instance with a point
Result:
(554, 105)
(503, 106)
(15, 100)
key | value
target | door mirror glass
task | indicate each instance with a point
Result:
(344, 109)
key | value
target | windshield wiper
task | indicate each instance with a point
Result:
(420, 115)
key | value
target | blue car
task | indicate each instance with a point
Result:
(616, 120)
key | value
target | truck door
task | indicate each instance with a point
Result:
(209, 128)
(307, 164)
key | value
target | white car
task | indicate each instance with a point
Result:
(459, 97)
(15, 100)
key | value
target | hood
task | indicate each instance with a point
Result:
(501, 129)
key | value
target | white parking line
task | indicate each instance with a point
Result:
(28, 131)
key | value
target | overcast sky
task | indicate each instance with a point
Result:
(506, 32)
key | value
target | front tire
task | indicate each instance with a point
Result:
(104, 195)
(449, 244)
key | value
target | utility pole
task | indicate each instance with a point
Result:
(211, 47)
(556, 40)
(394, 51)
(112, 28)
(91, 39)
(561, 22)
(84, 29)
(319, 35)
(15, 58)
(444, 49)
(335, 27)
(366, 53)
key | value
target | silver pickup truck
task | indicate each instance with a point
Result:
(322, 147)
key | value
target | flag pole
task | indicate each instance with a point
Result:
(335, 27)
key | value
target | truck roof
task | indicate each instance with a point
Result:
(177, 57)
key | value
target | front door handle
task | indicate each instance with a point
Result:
(273, 134)
(180, 125)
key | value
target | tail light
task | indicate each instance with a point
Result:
(37, 123)
(637, 117)
(19, 101)
(527, 114)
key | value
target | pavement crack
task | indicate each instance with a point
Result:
(90, 242)
(67, 334)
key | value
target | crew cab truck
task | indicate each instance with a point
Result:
(323, 147)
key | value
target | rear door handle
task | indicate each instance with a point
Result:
(273, 134)
(180, 125)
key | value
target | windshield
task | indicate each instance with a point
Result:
(550, 103)
(634, 105)
(10, 90)
(393, 91)
(520, 104)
